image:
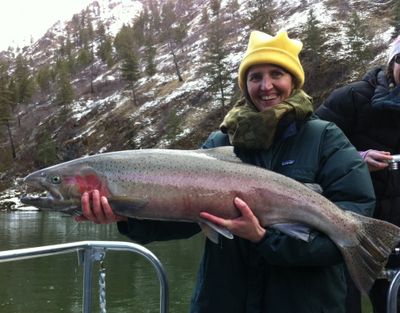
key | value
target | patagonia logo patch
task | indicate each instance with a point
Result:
(287, 162)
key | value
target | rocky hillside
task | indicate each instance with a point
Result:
(167, 113)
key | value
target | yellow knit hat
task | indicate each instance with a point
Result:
(279, 50)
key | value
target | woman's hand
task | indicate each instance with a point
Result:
(246, 226)
(96, 208)
(376, 160)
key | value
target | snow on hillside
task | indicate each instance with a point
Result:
(189, 101)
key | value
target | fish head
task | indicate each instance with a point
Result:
(63, 185)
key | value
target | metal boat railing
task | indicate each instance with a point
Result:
(393, 292)
(90, 252)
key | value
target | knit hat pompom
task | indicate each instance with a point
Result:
(279, 50)
(394, 49)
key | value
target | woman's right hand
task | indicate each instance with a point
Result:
(377, 160)
(96, 208)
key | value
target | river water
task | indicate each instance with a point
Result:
(54, 283)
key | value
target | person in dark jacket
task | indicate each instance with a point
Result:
(263, 270)
(368, 112)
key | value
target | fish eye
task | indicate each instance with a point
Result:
(56, 179)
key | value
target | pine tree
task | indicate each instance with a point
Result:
(343, 8)
(85, 57)
(104, 51)
(204, 17)
(168, 17)
(130, 72)
(150, 54)
(101, 31)
(396, 18)
(5, 96)
(43, 79)
(313, 53)
(216, 68)
(359, 49)
(313, 37)
(124, 42)
(24, 83)
(46, 153)
(215, 6)
(141, 26)
(154, 15)
(64, 90)
(65, 52)
(173, 33)
(262, 15)
(6, 104)
(232, 7)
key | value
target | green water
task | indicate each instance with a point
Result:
(54, 283)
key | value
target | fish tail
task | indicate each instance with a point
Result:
(366, 260)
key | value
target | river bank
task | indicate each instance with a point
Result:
(9, 201)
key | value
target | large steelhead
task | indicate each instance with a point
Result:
(179, 184)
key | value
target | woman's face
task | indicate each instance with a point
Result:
(268, 85)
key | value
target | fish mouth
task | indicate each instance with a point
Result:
(36, 200)
(47, 197)
(38, 190)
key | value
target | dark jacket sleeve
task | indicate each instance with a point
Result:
(345, 180)
(145, 231)
(342, 104)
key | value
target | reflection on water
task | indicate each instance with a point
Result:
(54, 283)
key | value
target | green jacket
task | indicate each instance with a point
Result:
(280, 274)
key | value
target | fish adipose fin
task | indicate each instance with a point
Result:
(212, 230)
(366, 259)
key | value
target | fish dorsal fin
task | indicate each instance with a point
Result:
(224, 153)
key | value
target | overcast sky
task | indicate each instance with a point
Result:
(22, 19)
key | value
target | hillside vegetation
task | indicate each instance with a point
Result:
(166, 74)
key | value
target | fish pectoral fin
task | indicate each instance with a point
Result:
(296, 230)
(212, 230)
(126, 206)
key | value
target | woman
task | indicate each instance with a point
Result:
(368, 112)
(264, 270)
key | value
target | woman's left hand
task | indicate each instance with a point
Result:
(246, 226)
